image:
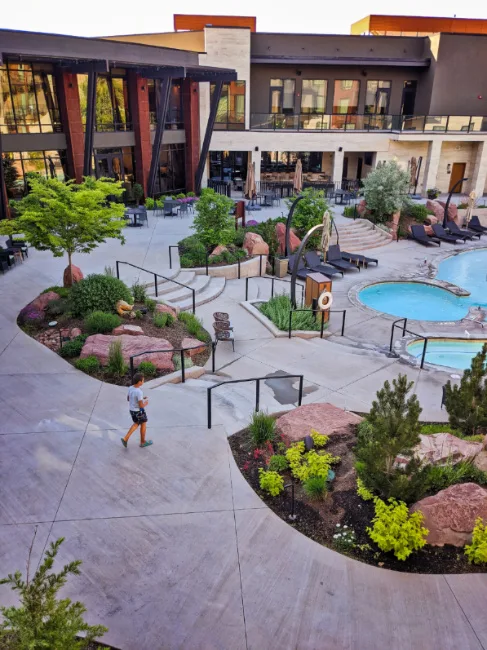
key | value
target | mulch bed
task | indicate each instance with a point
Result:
(318, 519)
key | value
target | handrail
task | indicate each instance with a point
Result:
(331, 311)
(404, 330)
(181, 351)
(158, 275)
(257, 389)
(268, 277)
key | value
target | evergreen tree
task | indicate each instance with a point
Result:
(42, 620)
(10, 174)
(392, 431)
(467, 403)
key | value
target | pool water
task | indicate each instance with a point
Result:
(453, 353)
(420, 301)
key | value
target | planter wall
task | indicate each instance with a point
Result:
(248, 269)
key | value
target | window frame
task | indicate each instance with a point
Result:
(340, 81)
(314, 112)
(378, 81)
(280, 89)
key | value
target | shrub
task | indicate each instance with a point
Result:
(213, 222)
(294, 455)
(139, 293)
(466, 404)
(477, 550)
(42, 620)
(308, 213)
(193, 324)
(394, 529)
(262, 428)
(192, 252)
(271, 482)
(98, 293)
(428, 429)
(385, 190)
(362, 491)
(439, 477)
(238, 238)
(278, 463)
(416, 211)
(176, 359)
(349, 211)
(319, 439)
(277, 310)
(100, 322)
(344, 539)
(190, 194)
(89, 364)
(73, 348)
(163, 319)
(116, 364)
(57, 307)
(313, 464)
(150, 304)
(62, 292)
(138, 314)
(138, 192)
(31, 317)
(315, 487)
(147, 368)
(150, 204)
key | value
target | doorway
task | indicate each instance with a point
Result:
(457, 173)
(409, 97)
(345, 169)
(360, 163)
(109, 165)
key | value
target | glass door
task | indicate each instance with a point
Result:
(109, 165)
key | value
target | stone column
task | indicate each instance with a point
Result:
(338, 166)
(69, 105)
(479, 174)
(431, 166)
(139, 107)
(191, 115)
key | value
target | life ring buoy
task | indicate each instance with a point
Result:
(326, 295)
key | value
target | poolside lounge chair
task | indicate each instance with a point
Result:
(302, 270)
(441, 233)
(315, 264)
(474, 224)
(334, 257)
(356, 258)
(460, 232)
(418, 233)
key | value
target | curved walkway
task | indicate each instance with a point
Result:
(177, 550)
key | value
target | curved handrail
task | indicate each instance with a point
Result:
(181, 351)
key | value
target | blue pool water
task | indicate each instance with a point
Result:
(455, 354)
(425, 302)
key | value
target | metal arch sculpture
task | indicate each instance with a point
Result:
(287, 244)
(294, 273)
(445, 215)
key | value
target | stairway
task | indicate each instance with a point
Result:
(206, 289)
(360, 235)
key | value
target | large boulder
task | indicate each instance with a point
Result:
(254, 244)
(294, 241)
(98, 345)
(443, 448)
(450, 515)
(324, 418)
(436, 208)
(218, 251)
(195, 346)
(131, 330)
(362, 208)
(452, 211)
(161, 308)
(72, 274)
(40, 303)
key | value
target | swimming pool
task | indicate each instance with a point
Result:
(420, 301)
(456, 353)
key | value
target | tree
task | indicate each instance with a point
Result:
(466, 404)
(42, 620)
(308, 213)
(392, 431)
(10, 174)
(213, 222)
(66, 217)
(386, 190)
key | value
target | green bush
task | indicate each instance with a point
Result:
(98, 293)
(116, 364)
(364, 494)
(63, 292)
(138, 314)
(309, 212)
(89, 364)
(439, 477)
(416, 211)
(315, 487)
(100, 322)
(163, 319)
(73, 348)
(349, 211)
(147, 368)
(238, 238)
(262, 428)
(278, 463)
(477, 550)
(150, 204)
(271, 482)
(394, 529)
(57, 307)
(213, 222)
(138, 292)
(277, 310)
(176, 359)
(150, 304)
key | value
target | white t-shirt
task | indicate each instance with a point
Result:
(135, 394)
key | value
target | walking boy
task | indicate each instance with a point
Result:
(137, 403)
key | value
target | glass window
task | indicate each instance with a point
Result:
(174, 117)
(345, 98)
(48, 164)
(171, 175)
(231, 108)
(228, 165)
(285, 161)
(377, 97)
(313, 96)
(112, 102)
(282, 95)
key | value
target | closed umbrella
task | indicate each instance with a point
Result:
(250, 190)
(413, 171)
(470, 206)
(325, 235)
(298, 177)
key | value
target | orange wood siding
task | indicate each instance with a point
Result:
(421, 24)
(194, 22)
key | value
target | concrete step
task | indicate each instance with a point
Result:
(177, 293)
(164, 287)
(364, 239)
(207, 292)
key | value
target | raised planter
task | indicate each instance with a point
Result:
(251, 307)
(248, 269)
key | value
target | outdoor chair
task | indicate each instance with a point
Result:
(441, 233)
(22, 246)
(474, 224)
(302, 271)
(142, 216)
(356, 258)
(316, 265)
(418, 233)
(221, 316)
(7, 257)
(183, 210)
(460, 232)
(334, 258)
(224, 332)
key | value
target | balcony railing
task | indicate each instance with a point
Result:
(320, 123)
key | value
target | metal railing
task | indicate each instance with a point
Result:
(158, 275)
(221, 187)
(181, 351)
(273, 281)
(257, 389)
(322, 327)
(404, 322)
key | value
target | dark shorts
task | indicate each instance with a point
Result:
(139, 416)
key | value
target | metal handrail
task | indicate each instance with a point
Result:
(331, 311)
(158, 275)
(257, 389)
(181, 351)
(404, 322)
(268, 277)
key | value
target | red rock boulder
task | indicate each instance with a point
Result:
(436, 208)
(195, 346)
(324, 418)
(452, 211)
(131, 330)
(443, 448)
(98, 345)
(166, 309)
(362, 208)
(75, 332)
(218, 251)
(40, 303)
(70, 278)
(294, 241)
(254, 244)
(450, 515)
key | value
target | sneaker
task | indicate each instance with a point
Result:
(147, 443)
(124, 442)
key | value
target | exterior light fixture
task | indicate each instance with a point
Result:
(448, 169)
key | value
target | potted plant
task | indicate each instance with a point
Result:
(138, 192)
(433, 193)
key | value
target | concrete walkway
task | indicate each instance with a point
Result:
(177, 550)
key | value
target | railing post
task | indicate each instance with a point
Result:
(155, 284)
(260, 266)
(213, 360)
(322, 323)
(343, 321)
(183, 375)
(257, 395)
(300, 394)
(194, 300)
(272, 288)
(392, 336)
(132, 369)
(424, 352)
(170, 258)
(207, 256)
(238, 264)
(208, 403)
(404, 327)
(290, 322)
(246, 289)
(118, 272)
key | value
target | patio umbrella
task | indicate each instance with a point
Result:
(470, 206)
(413, 170)
(325, 235)
(250, 190)
(298, 177)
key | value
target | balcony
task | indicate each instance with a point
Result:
(326, 123)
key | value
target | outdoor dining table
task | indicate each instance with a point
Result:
(134, 212)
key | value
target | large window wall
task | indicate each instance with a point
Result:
(174, 117)
(313, 95)
(231, 107)
(28, 99)
(48, 164)
(171, 175)
(112, 101)
(285, 161)
(228, 165)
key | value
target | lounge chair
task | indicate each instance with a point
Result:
(315, 264)
(459, 232)
(303, 272)
(334, 258)
(357, 258)
(418, 233)
(441, 233)
(474, 224)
